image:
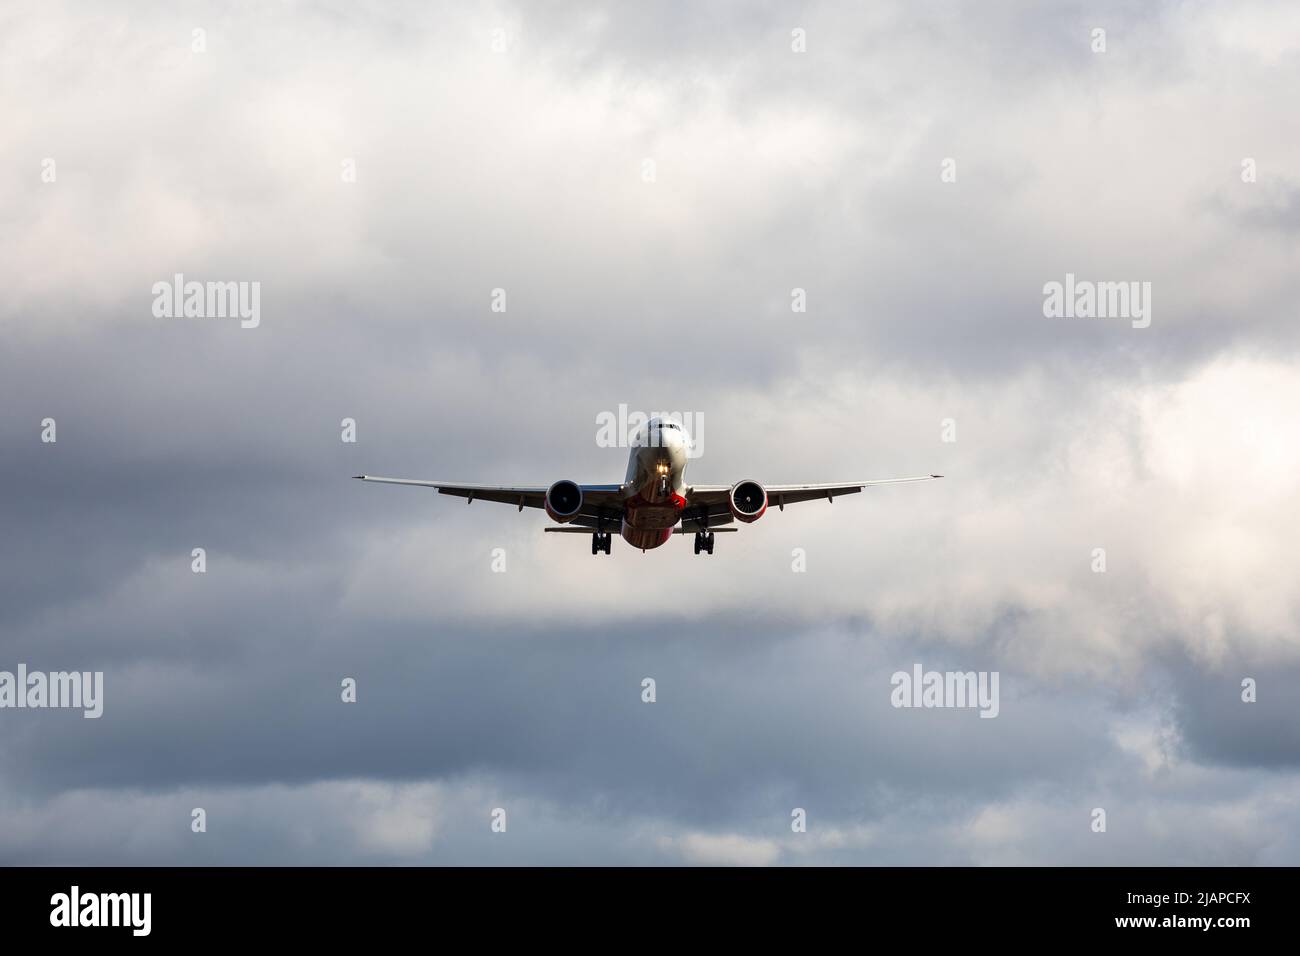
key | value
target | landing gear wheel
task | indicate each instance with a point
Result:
(601, 542)
(704, 542)
(709, 546)
(609, 541)
(698, 541)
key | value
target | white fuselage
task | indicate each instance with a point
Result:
(654, 491)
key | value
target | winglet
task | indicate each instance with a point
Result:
(936, 476)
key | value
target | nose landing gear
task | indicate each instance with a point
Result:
(704, 541)
(600, 542)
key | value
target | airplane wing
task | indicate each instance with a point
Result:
(707, 509)
(595, 498)
(710, 501)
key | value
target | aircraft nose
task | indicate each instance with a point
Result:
(674, 443)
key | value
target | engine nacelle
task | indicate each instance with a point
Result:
(747, 500)
(563, 501)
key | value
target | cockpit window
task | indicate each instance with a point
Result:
(668, 425)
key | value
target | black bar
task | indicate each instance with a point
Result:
(977, 906)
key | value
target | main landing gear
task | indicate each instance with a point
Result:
(600, 541)
(704, 541)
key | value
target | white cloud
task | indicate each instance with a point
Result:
(722, 849)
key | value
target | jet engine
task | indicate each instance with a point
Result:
(563, 501)
(747, 500)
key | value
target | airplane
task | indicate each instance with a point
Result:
(654, 502)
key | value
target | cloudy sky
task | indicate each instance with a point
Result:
(506, 146)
